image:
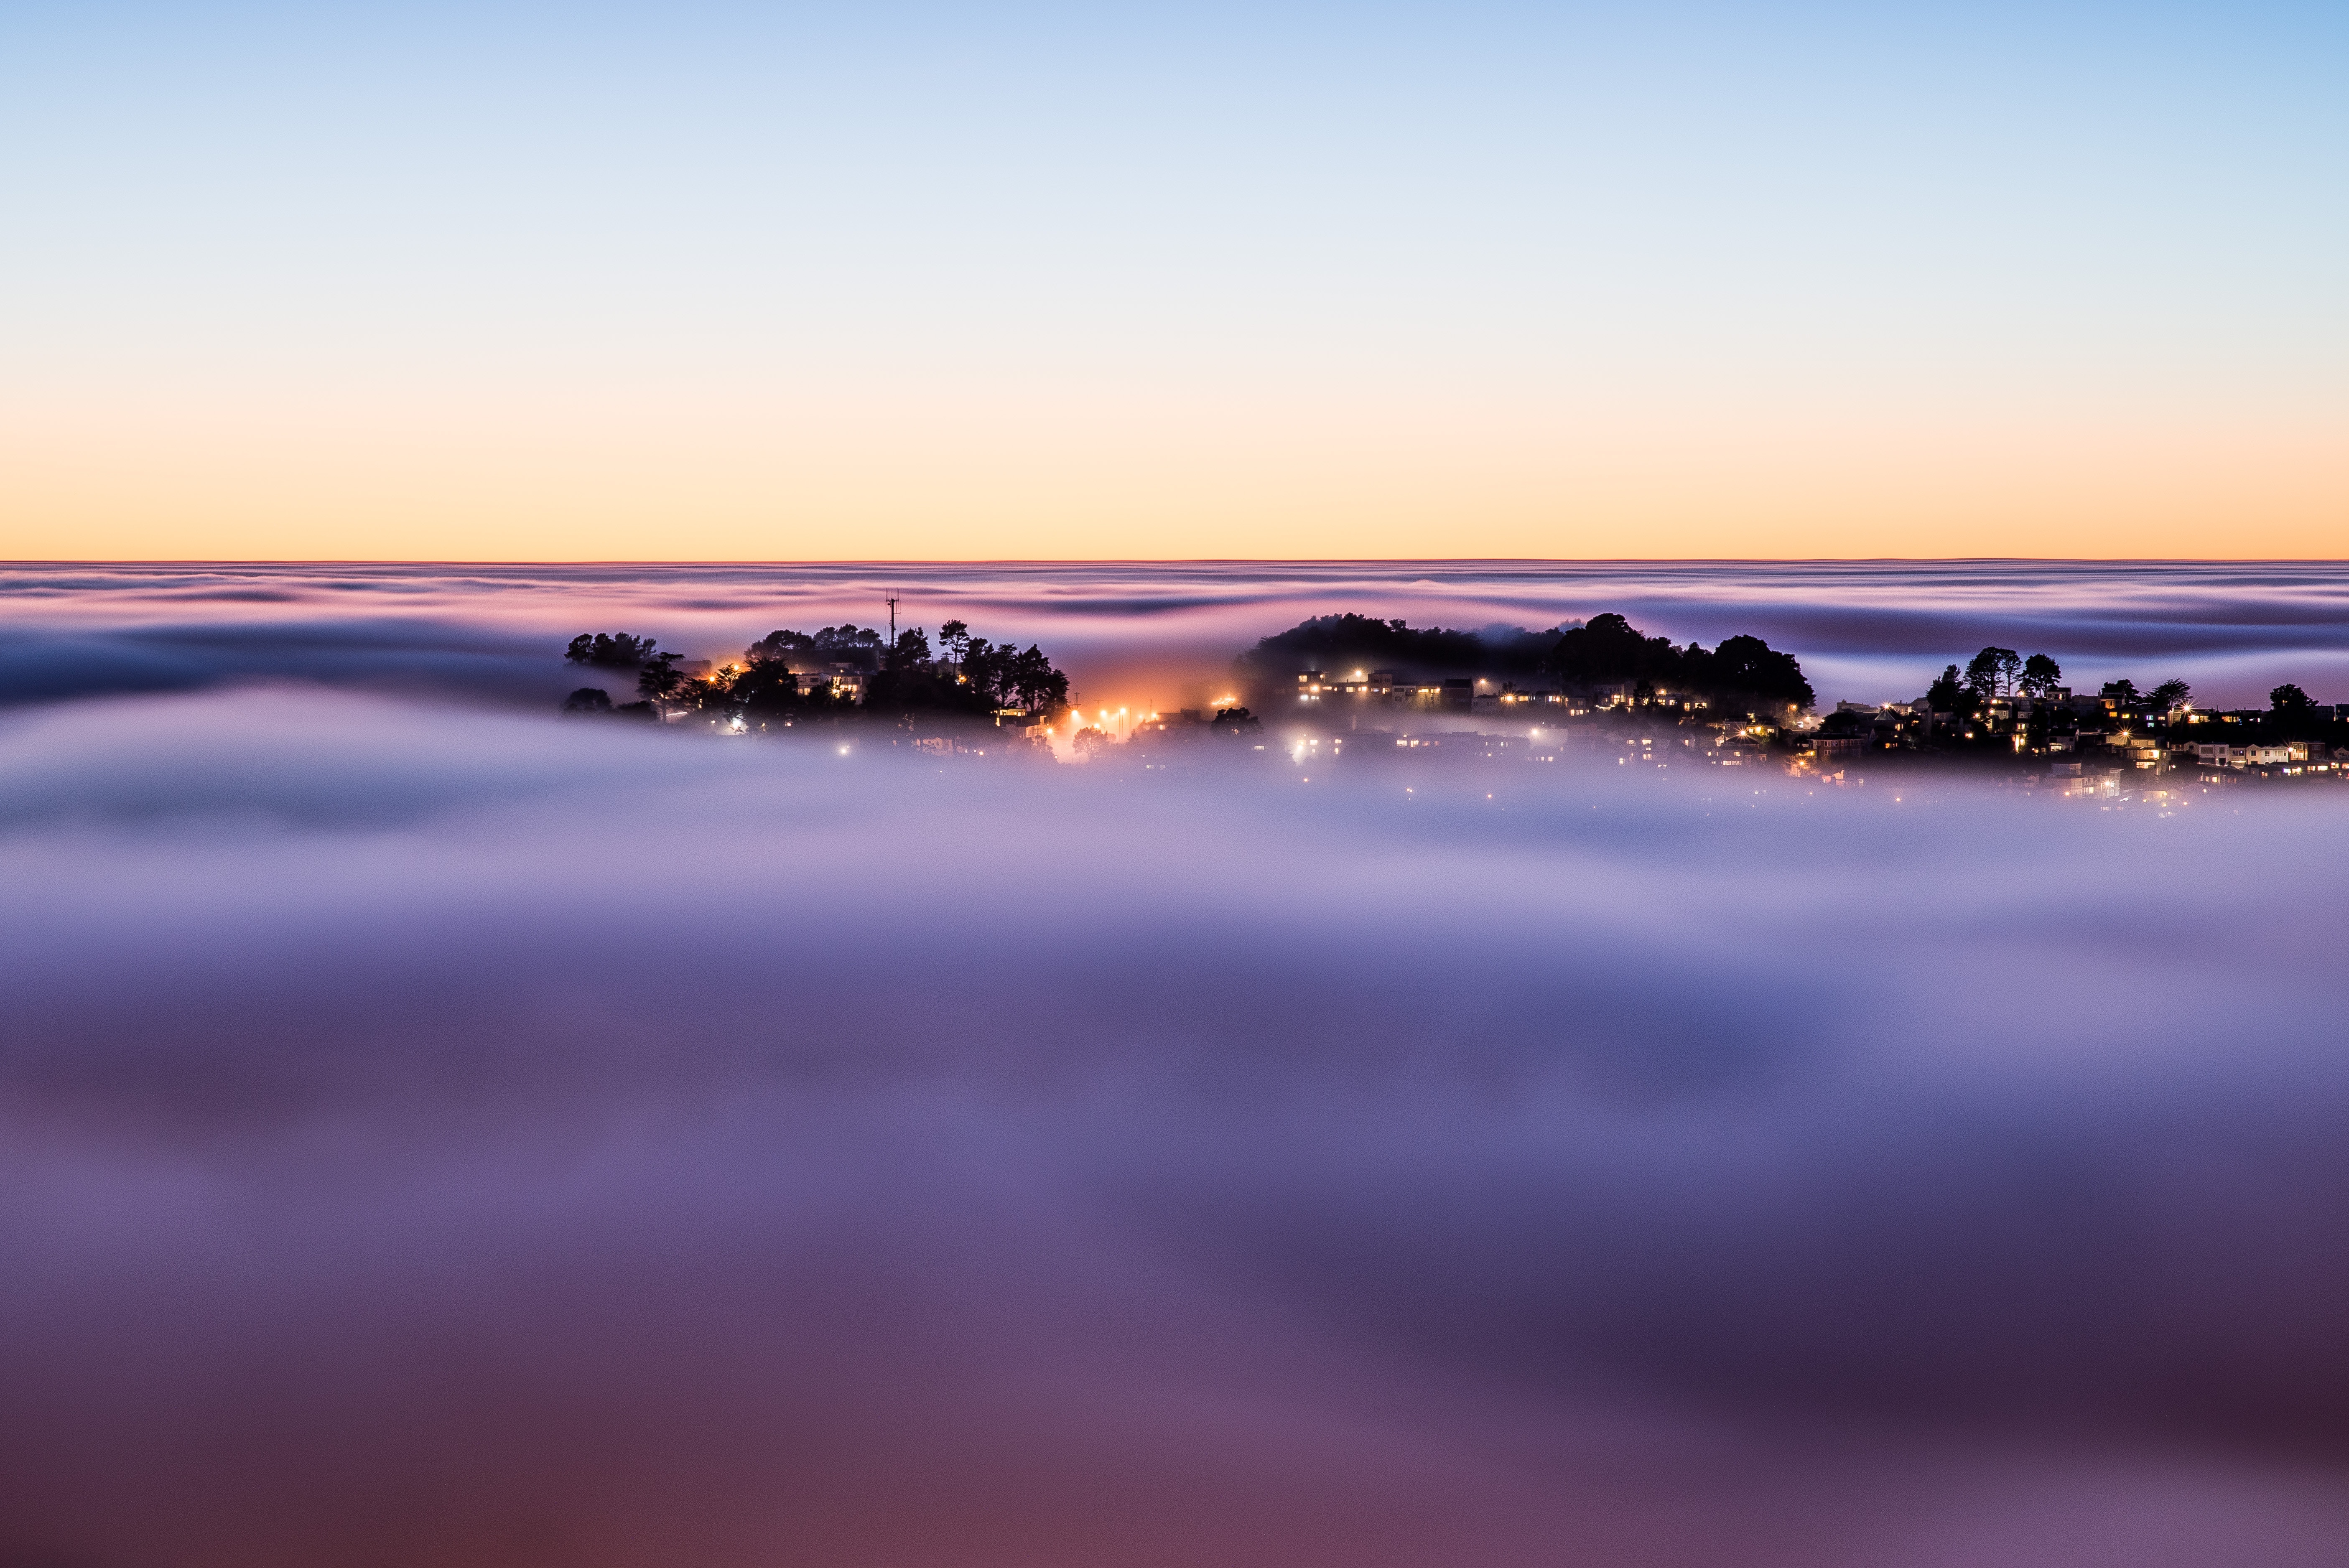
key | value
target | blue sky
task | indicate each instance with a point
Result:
(1706, 213)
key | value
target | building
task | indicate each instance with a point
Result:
(2221, 755)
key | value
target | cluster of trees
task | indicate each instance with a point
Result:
(848, 644)
(1996, 672)
(1744, 672)
(967, 674)
(1001, 674)
(655, 673)
(609, 650)
(1363, 642)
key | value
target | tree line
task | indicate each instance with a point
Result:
(1996, 674)
(1743, 672)
(966, 675)
(2001, 673)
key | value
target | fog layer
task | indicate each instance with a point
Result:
(1158, 632)
(432, 1137)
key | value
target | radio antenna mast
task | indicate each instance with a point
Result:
(893, 620)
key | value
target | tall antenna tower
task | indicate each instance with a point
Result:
(893, 620)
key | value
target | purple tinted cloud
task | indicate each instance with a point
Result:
(437, 1136)
(1143, 631)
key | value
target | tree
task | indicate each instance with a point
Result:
(848, 644)
(2121, 693)
(979, 677)
(610, 650)
(1035, 683)
(588, 700)
(1746, 668)
(1608, 650)
(766, 689)
(1349, 642)
(659, 680)
(985, 669)
(1949, 694)
(706, 694)
(2040, 676)
(1605, 651)
(778, 646)
(911, 651)
(2171, 695)
(2289, 708)
(1993, 673)
(1235, 721)
(843, 644)
(1091, 743)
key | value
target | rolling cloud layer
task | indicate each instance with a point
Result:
(1152, 634)
(432, 1135)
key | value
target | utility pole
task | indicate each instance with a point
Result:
(893, 620)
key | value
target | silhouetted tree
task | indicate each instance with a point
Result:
(1608, 650)
(1993, 673)
(1347, 641)
(1038, 687)
(659, 680)
(2040, 676)
(2291, 711)
(1745, 672)
(2170, 696)
(1235, 721)
(780, 645)
(712, 693)
(911, 651)
(1949, 694)
(766, 688)
(611, 650)
(588, 700)
(844, 645)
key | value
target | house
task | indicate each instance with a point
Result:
(2225, 756)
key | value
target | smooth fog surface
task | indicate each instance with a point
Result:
(430, 1135)
(1156, 632)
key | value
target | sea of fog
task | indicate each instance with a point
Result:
(1162, 636)
(433, 1133)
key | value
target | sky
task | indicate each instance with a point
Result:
(709, 281)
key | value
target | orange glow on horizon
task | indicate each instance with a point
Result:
(851, 479)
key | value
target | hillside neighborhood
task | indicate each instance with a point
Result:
(1361, 690)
